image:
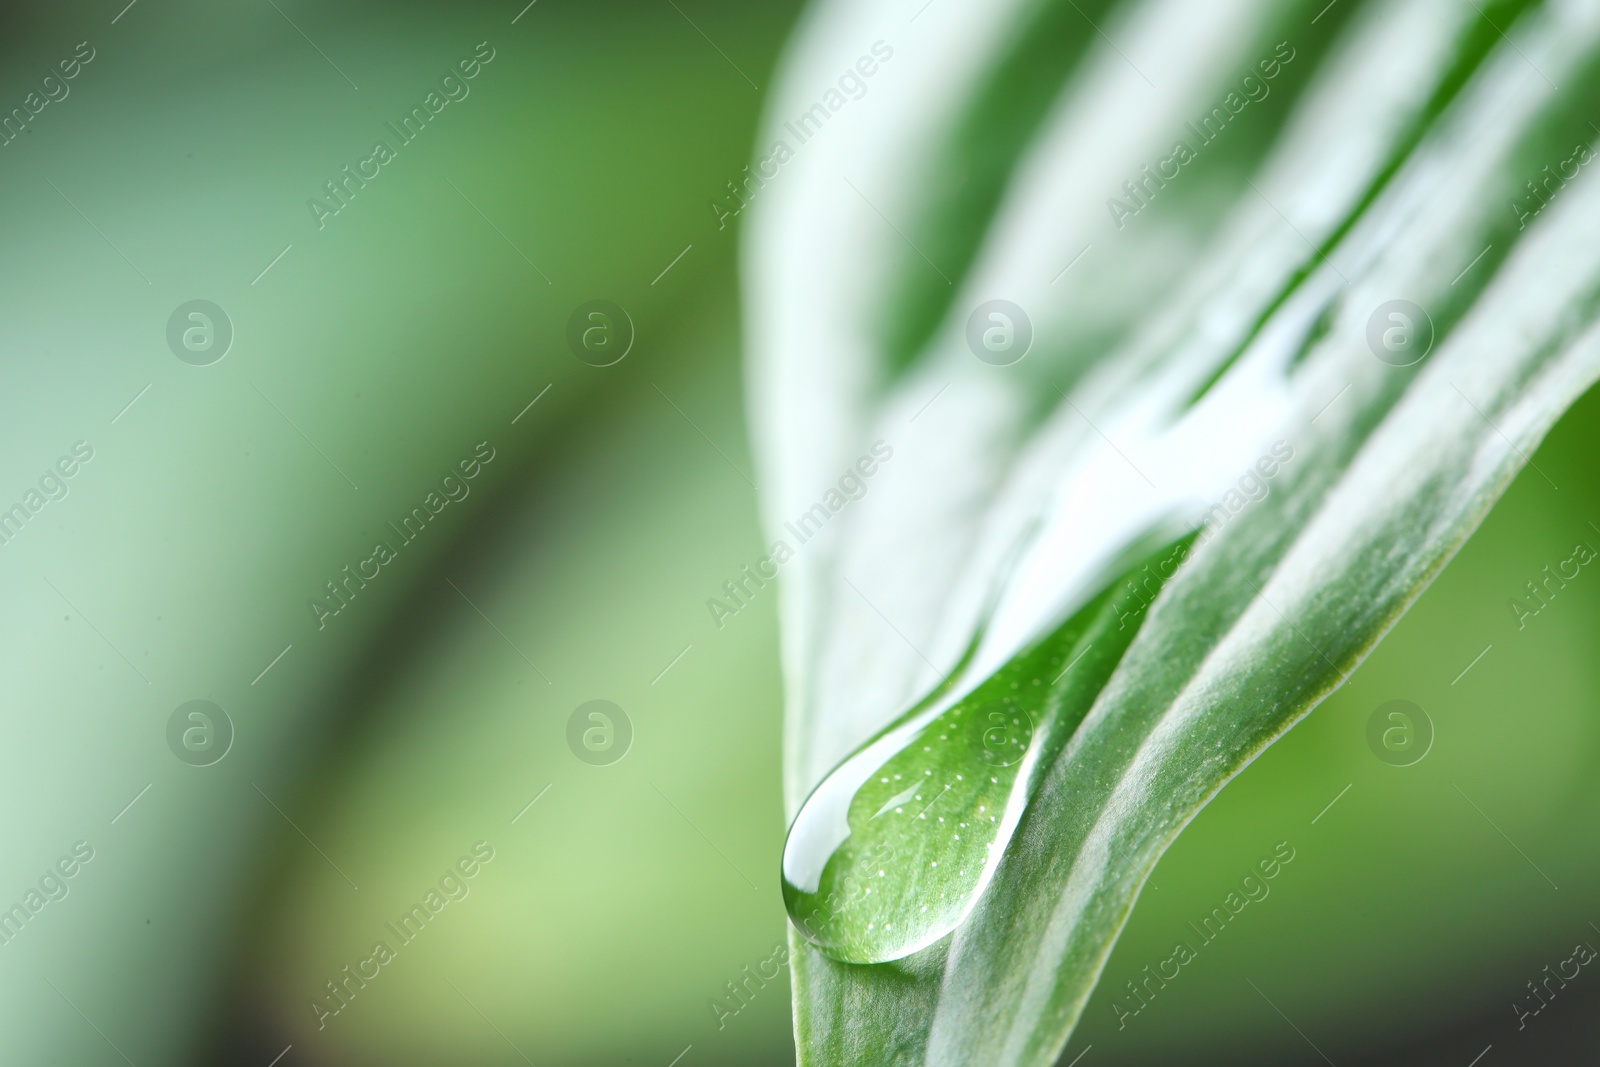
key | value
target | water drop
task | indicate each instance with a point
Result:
(1001, 738)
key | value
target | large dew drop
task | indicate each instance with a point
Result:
(894, 847)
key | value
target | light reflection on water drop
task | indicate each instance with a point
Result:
(894, 847)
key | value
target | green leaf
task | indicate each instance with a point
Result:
(1214, 362)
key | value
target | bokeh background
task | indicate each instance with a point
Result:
(373, 353)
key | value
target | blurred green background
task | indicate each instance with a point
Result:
(379, 350)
